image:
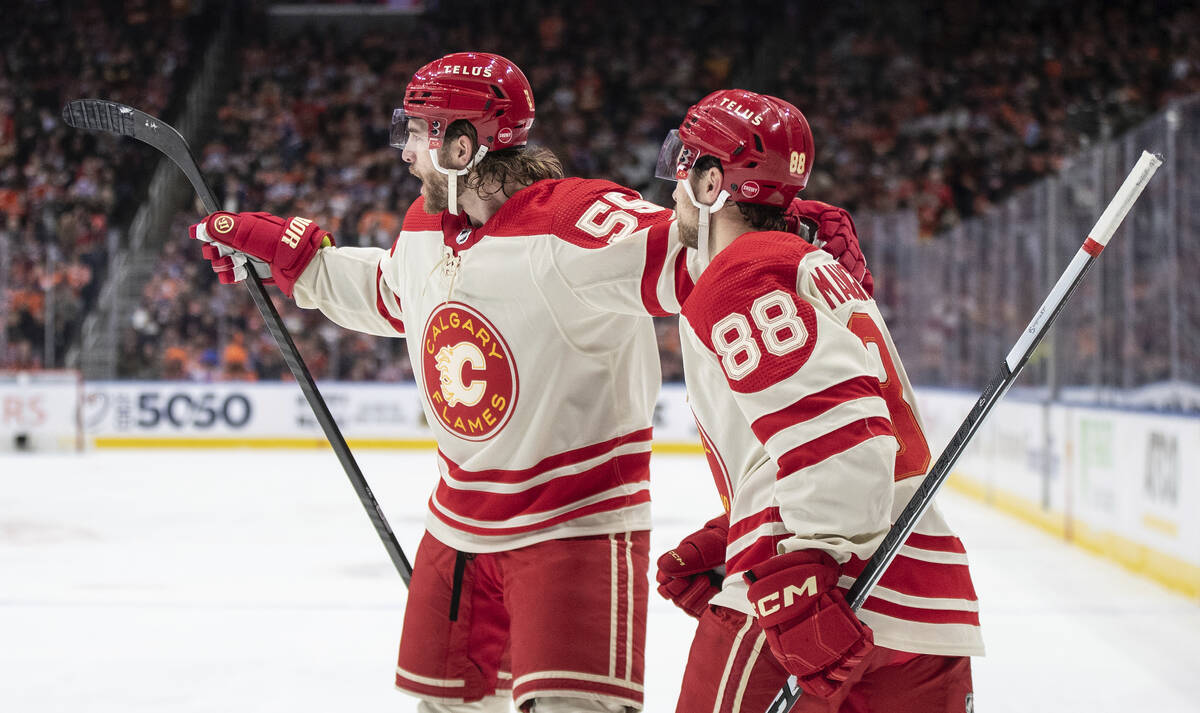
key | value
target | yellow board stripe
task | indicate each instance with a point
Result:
(1167, 570)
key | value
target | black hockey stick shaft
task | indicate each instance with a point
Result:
(1017, 357)
(114, 118)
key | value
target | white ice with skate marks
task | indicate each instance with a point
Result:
(188, 581)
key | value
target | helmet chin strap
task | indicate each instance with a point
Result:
(452, 176)
(703, 246)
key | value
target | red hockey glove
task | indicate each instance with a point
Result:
(808, 623)
(284, 245)
(686, 574)
(835, 234)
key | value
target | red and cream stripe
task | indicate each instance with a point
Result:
(387, 304)
(823, 424)
(754, 539)
(618, 685)
(603, 477)
(748, 644)
(437, 690)
(929, 582)
(666, 282)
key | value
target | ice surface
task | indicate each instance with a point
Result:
(181, 581)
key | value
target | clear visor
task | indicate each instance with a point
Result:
(674, 159)
(408, 130)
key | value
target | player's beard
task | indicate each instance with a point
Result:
(688, 224)
(433, 184)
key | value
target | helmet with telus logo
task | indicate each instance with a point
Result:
(485, 89)
(764, 144)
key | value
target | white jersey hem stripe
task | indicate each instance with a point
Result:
(912, 600)
(933, 556)
(492, 486)
(535, 518)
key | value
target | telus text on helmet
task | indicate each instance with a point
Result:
(464, 69)
(737, 109)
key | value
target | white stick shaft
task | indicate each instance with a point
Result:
(1129, 191)
(1112, 216)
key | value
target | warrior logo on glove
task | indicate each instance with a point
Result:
(223, 224)
(469, 375)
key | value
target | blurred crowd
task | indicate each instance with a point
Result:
(61, 190)
(938, 108)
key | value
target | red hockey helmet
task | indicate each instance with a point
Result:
(764, 144)
(485, 89)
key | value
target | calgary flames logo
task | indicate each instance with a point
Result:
(469, 375)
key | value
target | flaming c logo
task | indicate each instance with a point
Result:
(468, 372)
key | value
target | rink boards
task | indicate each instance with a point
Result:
(1121, 483)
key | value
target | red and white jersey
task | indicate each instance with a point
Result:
(812, 432)
(532, 344)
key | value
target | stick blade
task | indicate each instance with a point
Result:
(100, 115)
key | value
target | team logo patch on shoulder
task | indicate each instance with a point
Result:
(468, 371)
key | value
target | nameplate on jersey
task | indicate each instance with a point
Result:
(836, 285)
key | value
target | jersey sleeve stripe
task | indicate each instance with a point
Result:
(746, 525)
(559, 460)
(768, 529)
(763, 549)
(843, 414)
(383, 295)
(837, 441)
(656, 255)
(815, 404)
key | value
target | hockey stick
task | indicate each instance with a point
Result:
(113, 118)
(1009, 370)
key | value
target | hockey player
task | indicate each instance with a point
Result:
(526, 300)
(815, 443)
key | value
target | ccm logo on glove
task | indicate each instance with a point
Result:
(769, 604)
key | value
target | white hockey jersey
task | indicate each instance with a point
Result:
(533, 347)
(814, 439)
